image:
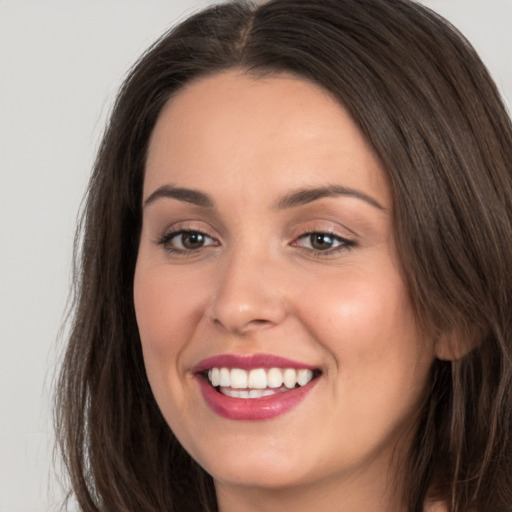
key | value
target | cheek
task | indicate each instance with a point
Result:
(361, 305)
(162, 314)
(167, 307)
(367, 323)
(379, 361)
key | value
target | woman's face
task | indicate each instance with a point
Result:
(267, 253)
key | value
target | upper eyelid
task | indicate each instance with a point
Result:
(169, 234)
(188, 225)
(337, 236)
(322, 232)
(302, 229)
(336, 230)
(344, 244)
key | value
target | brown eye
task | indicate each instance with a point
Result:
(323, 242)
(185, 240)
(192, 239)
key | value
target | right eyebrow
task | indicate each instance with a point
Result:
(187, 195)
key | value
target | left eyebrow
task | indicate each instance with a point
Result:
(308, 195)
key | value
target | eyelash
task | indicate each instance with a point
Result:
(344, 244)
(166, 240)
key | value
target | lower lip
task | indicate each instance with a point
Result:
(263, 408)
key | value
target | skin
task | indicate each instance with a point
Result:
(258, 285)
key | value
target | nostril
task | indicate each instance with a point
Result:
(241, 323)
(260, 321)
(244, 299)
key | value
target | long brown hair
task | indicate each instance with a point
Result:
(426, 103)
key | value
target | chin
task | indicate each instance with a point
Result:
(258, 477)
(257, 468)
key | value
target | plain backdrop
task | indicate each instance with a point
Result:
(60, 65)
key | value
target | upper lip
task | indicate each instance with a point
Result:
(249, 362)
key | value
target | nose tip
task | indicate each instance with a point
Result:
(243, 319)
(247, 300)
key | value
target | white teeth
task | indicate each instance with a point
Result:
(274, 378)
(214, 376)
(304, 376)
(257, 382)
(290, 378)
(257, 379)
(238, 378)
(243, 393)
(225, 378)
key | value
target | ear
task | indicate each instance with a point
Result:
(455, 343)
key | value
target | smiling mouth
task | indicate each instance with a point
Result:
(258, 382)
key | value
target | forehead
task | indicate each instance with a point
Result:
(281, 130)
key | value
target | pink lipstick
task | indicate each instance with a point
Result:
(254, 387)
(248, 362)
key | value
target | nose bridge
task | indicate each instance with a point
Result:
(248, 295)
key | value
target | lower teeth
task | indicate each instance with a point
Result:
(251, 393)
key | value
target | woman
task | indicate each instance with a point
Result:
(294, 284)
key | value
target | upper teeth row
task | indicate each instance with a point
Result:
(259, 378)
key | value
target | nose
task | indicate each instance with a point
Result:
(249, 294)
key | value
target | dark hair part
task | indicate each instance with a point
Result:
(424, 100)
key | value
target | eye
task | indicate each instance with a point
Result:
(322, 242)
(186, 240)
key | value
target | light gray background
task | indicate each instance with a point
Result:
(60, 65)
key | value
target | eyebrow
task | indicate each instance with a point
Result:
(181, 194)
(308, 195)
(291, 200)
